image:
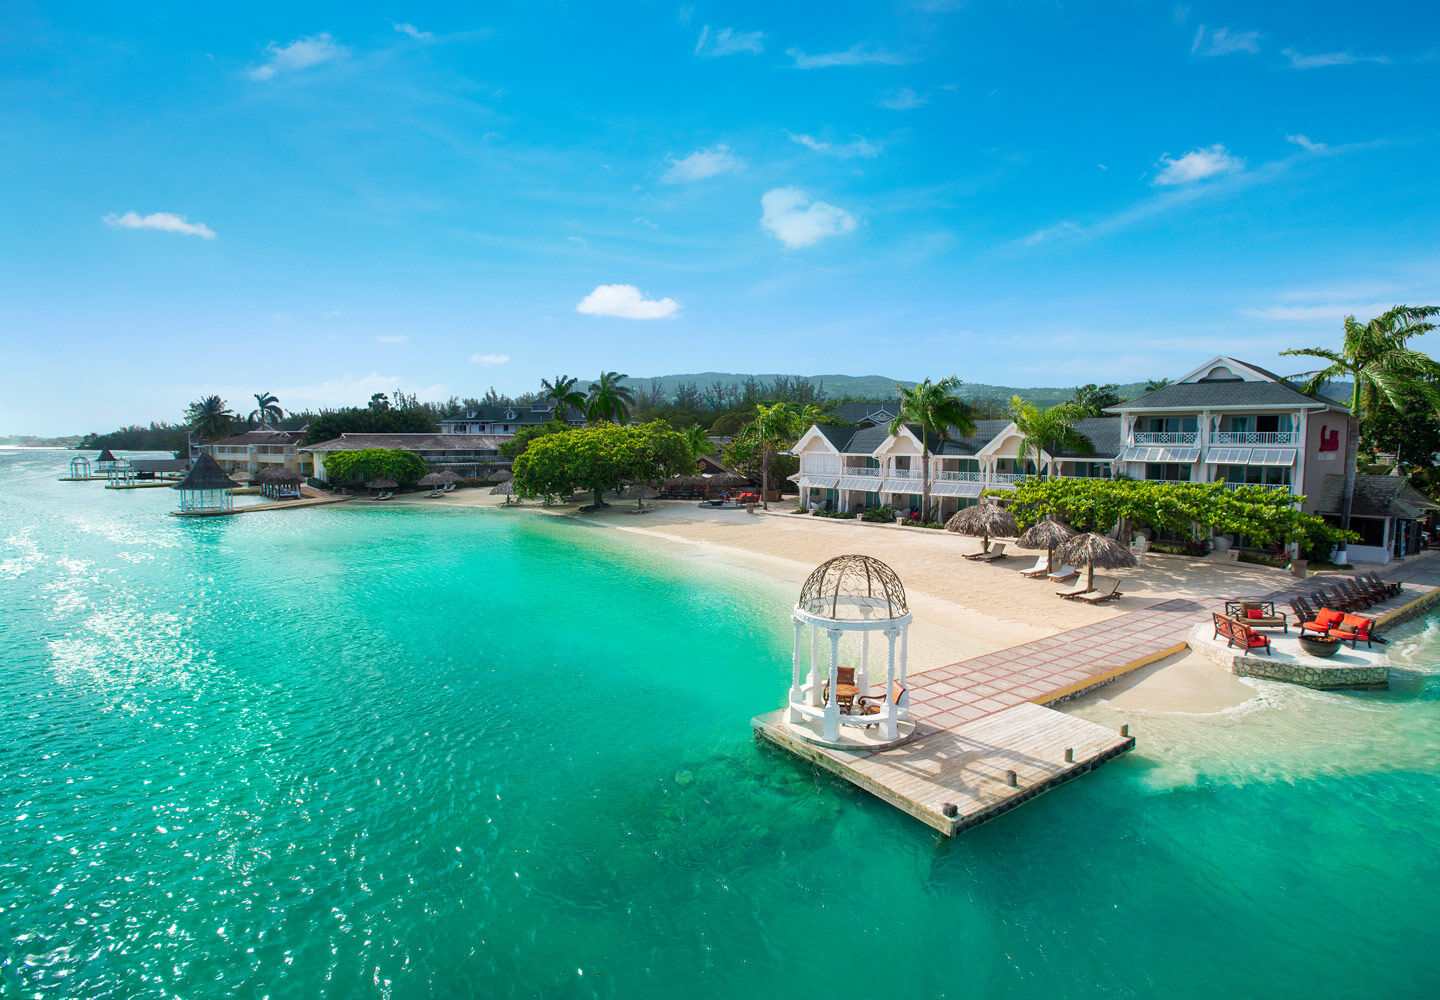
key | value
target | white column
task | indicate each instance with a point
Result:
(812, 682)
(904, 705)
(797, 693)
(832, 704)
(862, 677)
(890, 728)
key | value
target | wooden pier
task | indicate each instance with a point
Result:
(277, 505)
(954, 779)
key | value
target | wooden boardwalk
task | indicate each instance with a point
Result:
(277, 505)
(953, 779)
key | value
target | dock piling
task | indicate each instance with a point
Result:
(1069, 755)
(1012, 779)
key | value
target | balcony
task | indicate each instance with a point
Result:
(1254, 437)
(1263, 486)
(1008, 478)
(959, 477)
(1166, 437)
(904, 474)
(860, 472)
(819, 468)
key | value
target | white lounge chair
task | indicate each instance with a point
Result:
(1079, 588)
(1063, 573)
(447, 488)
(1106, 589)
(1041, 567)
(996, 551)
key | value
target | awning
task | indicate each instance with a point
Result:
(818, 482)
(1272, 456)
(1228, 456)
(861, 484)
(1154, 453)
(954, 489)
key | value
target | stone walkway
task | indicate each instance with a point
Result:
(1070, 663)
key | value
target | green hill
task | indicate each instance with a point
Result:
(875, 386)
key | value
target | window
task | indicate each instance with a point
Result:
(1370, 529)
(1168, 472)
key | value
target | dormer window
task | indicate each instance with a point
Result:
(509, 414)
(1220, 374)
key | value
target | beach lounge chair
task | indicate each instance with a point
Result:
(1236, 634)
(1361, 596)
(1257, 614)
(1377, 595)
(1106, 589)
(448, 488)
(1063, 573)
(385, 495)
(1390, 589)
(1041, 567)
(1075, 591)
(1335, 598)
(996, 551)
(1304, 610)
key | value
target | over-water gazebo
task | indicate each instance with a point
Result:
(107, 462)
(79, 467)
(278, 482)
(848, 600)
(206, 488)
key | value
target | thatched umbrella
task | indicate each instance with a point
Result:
(503, 476)
(983, 520)
(431, 479)
(1091, 550)
(1046, 534)
(446, 476)
(382, 484)
(506, 490)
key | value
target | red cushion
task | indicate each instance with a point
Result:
(1254, 613)
(1356, 622)
(1327, 618)
(1258, 640)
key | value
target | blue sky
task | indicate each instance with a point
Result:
(326, 203)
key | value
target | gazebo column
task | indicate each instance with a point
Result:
(832, 704)
(812, 683)
(890, 728)
(797, 693)
(862, 676)
(904, 703)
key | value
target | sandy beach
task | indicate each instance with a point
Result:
(962, 608)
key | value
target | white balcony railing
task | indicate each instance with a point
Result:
(1263, 486)
(959, 477)
(813, 468)
(1166, 437)
(860, 472)
(1255, 437)
(904, 474)
(1007, 478)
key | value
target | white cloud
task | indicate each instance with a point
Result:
(855, 55)
(489, 359)
(904, 99)
(1224, 42)
(1305, 142)
(165, 222)
(860, 147)
(701, 164)
(1323, 59)
(391, 338)
(299, 54)
(795, 220)
(728, 42)
(1058, 231)
(1302, 313)
(626, 302)
(409, 29)
(1197, 165)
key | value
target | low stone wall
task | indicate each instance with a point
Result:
(1416, 608)
(1311, 671)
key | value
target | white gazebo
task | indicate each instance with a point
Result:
(851, 604)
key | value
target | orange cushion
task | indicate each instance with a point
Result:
(1258, 640)
(1356, 622)
(1326, 617)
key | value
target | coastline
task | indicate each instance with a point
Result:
(962, 609)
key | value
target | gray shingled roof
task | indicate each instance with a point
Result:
(1212, 395)
(853, 413)
(412, 442)
(1375, 496)
(264, 435)
(1104, 436)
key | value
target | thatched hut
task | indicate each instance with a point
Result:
(206, 489)
(278, 482)
(1091, 550)
(983, 520)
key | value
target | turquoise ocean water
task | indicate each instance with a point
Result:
(394, 752)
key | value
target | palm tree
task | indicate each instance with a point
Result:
(1377, 358)
(609, 400)
(697, 439)
(266, 406)
(565, 396)
(209, 417)
(934, 408)
(774, 427)
(1047, 430)
(814, 413)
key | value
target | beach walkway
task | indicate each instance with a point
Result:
(984, 740)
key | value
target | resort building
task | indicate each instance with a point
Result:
(467, 455)
(849, 468)
(1232, 422)
(496, 419)
(249, 453)
(1387, 513)
(1226, 421)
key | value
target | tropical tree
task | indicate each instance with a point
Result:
(772, 428)
(1047, 430)
(210, 417)
(405, 467)
(1093, 399)
(562, 392)
(697, 439)
(1377, 358)
(600, 458)
(266, 407)
(934, 408)
(609, 399)
(1156, 384)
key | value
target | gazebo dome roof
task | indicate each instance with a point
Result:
(853, 588)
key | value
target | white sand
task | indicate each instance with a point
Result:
(962, 609)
